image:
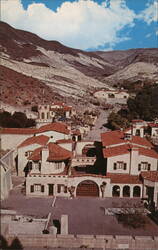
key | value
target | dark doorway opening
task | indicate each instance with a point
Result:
(50, 189)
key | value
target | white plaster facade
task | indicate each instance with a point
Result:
(53, 135)
(111, 94)
(23, 154)
(47, 113)
(132, 163)
(121, 178)
(11, 141)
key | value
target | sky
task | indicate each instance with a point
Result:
(87, 24)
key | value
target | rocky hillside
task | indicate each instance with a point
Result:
(135, 67)
(30, 64)
(21, 90)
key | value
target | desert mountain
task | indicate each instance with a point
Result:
(63, 71)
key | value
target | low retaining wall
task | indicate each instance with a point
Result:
(87, 241)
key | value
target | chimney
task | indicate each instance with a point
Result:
(134, 158)
(45, 154)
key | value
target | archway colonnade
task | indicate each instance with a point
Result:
(126, 191)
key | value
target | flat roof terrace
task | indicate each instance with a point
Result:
(85, 214)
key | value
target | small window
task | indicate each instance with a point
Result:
(37, 187)
(149, 165)
(120, 165)
(139, 167)
(125, 166)
(115, 166)
(58, 165)
(59, 188)
(42, 115)
(65, 189)
(144, 165)
(31, 188)
(42, 188)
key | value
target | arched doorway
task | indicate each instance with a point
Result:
(136, 191)
(116, 191)
(126, 191)
(87, 188)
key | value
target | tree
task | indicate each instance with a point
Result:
(5, 119)
(21, 118)
(116, 121)
(30, 123)
(145, 104)
(17, 120)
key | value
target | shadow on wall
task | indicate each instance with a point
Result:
(16, 244)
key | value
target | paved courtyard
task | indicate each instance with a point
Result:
(85, 215)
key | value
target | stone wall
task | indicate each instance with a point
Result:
(88, 241)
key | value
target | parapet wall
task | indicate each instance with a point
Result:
(87, 241)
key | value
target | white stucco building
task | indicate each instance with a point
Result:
(143, 128)
(85, 169)
(47, 112)
(112, 96)
(24, 151)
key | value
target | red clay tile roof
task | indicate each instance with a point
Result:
(41, 140)
(56, 153)
(36, 155)
(21, 131)
(64, 108)
(124, 178)
(153, 125)
(64, 141)
(112, 138)
(141, 141)
(117, 137)
(126, 148)
(148, 152)
(137, 120)
(56, 126)
(150, 175)
(118, 150)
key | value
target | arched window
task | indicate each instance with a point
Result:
(136, 191)
(116, 191)
(126, 191)
(42, 115)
